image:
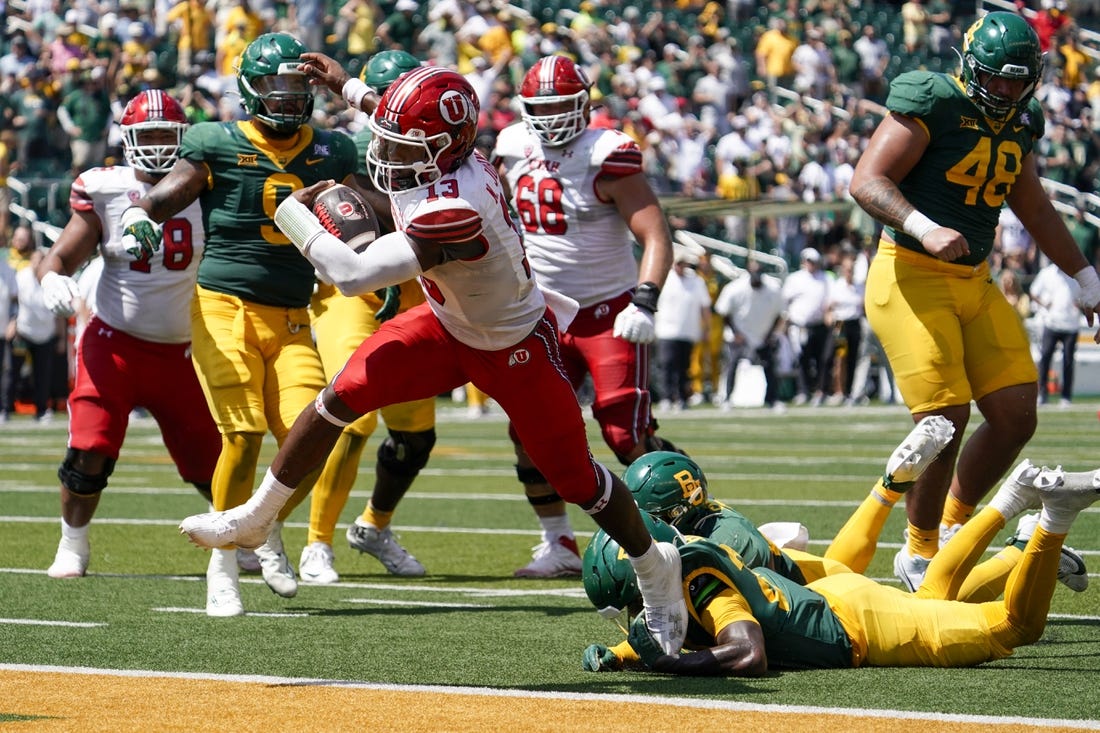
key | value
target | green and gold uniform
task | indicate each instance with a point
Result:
(723, 525)
(848, 620)
(947, 330)
(252, 345)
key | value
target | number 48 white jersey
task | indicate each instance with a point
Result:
(148, 298)
(577, 242)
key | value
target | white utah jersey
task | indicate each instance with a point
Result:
(148, 298)
(488, 302)
(577, 242)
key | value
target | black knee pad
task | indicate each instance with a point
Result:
(404, 453)
(530, 476)
(79, 482)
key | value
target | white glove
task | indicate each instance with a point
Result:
(635, 325)
(59, 292)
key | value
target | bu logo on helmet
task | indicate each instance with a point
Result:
(454, 107)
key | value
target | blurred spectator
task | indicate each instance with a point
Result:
(657, 102)
(682, 321)
(752, 308)
(398, 30)
(85, 115)
(1009, 283)
(1054, 294)
(806, 292)
(1050, 19)
(773, 55)
(814, 73)
(874, 58)
(844, 316)
(242, 12)
(358, 21)
(18, 60)
(711, 97)
(37, 329)
(9, 307)
(195, 24)
(915, 25)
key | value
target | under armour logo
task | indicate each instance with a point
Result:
(106, 332)
(519, 356)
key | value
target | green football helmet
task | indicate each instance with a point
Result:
(383, 68)
(609, 578)
(271, 87)
(1000, 44)
(667, 485)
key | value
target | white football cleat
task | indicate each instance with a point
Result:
(666, 614)
(1074, 492)
(315, 567)
(910, 569)
(229, 527)
(383, 545)
(275, 565)
(247, 561)
(557, 559)
(71, 560)
(919, 449)
(1020, 491)
(223, 590)
(1072, 572)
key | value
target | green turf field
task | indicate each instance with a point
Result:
(469, 623)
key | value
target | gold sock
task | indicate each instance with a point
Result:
(955, 512)
(378, 519)
(923, 542)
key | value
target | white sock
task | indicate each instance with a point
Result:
(646, 565)
(1057, 521)
(69, 532)
(269, 497)
(223, 562)
(556, 526)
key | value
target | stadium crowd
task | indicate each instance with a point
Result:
(735, 101)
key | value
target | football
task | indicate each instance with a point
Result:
(346, 216)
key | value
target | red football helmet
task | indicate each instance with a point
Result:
(152, 130)
(555, 99)
(424, 126)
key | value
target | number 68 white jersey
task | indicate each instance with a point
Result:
(577, 242)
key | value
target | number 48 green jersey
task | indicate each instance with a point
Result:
(967, 171)
(248, 177)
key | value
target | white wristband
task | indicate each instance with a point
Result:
(132, 215)
(353, 92)
(298, 223)
(1090, 287)
(917, 225)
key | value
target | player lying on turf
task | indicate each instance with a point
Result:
(745, 621)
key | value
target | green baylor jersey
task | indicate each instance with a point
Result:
(248, 177)
(970, 164)
(800, 630)
(723, 525)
